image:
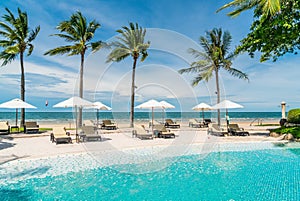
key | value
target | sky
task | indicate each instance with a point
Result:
(172, 27)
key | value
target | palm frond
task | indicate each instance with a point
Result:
(144, 55)
(191, 69)
(77, 48)
(240, 5)
(118, 54)
(12, 49)
(33, 34)
(59, 50)
(196, 80)
(30, 49)
(67, 38)
(6, 43)
(237, 73)
(99, 45)
(7, 58)
(207, 73)
(268, 7)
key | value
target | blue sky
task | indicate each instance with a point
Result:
(172, 27)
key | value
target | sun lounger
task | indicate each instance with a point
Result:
(108, 125)
(60, 135)
(31, 127)
(140, 132)
(4, 127)
(206, 122)
(161, 132)
(89, 132)
(171, 124)
(214, 129)
(234, 129)
(195, 124)
(155, 122)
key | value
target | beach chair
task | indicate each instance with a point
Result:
(215, 129)
(171, 124)
(195, 124)
(108, 125)
(140, 132)
(4, 127)
(161, 132)
(206, 122)
(234, 129)
(31, 127)
(89, 133)
(60, 135)
(155, 122)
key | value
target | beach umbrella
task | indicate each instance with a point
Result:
(74, 102)
(227, 104)
(165, 105)
(16, 104)
(151, 104)
(203, 107)
(99, 106)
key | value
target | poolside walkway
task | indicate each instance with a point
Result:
(24, 146)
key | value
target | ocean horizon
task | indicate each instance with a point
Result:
(139, 116)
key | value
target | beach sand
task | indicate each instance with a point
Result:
(29, 146)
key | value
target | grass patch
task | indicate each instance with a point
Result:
(295, 131)
(267, 125)
(45, 129)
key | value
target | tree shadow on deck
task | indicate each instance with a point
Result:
(5, 144)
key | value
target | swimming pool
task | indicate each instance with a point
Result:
(264, 174)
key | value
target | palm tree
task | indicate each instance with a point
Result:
(17, 38)
(77, 31)
(130, 43)
(265, 7)
(215, 57)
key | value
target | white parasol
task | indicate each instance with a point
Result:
(99, 106)
(227, 104)
(74, 102)
(203, 107)
(151, 104)
(166, 105)
(16, 104)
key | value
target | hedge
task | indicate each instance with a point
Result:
(294, 116)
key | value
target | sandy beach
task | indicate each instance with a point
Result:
(30, 146)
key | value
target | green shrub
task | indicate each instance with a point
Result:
(294, 116)
(295, 131)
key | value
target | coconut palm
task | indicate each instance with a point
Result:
(77, 31)
(17, 38)
(216, 56)
(265, 7)
(130, 43)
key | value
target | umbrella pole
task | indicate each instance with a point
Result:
(97, 117)
(152, 120)
(76, 124)
(227, 121)
(16, 116)
(203, 115)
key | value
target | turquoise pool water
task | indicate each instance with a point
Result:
(271, 174)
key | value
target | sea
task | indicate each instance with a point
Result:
(56, 117)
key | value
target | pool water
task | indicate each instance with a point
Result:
(271, 174)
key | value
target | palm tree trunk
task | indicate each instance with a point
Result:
(218, 94)
(81, 89)
(22, 89)
(132, 92)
